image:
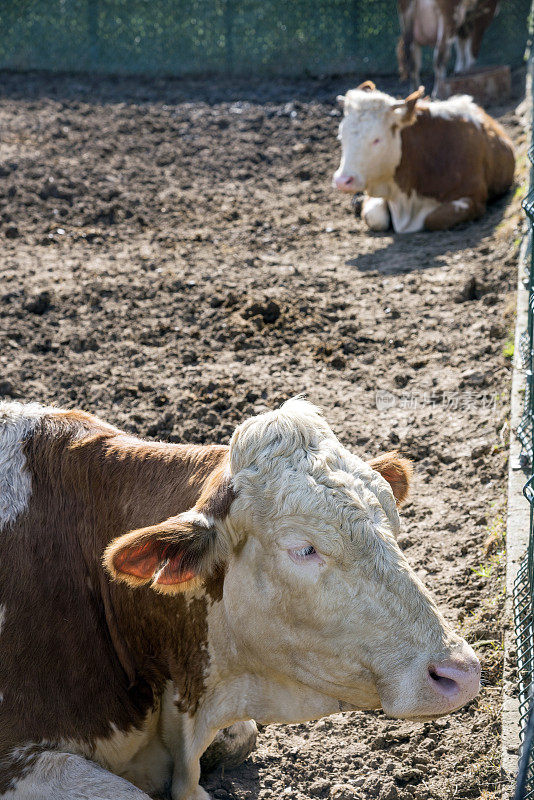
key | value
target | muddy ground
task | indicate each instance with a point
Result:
(174, 259)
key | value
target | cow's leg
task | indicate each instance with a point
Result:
(375, 213)
(412, 55)
(231, 746)
(442, 52)
(416, 66)
(52, 775)
(186, 738)
(459, 63)
(464, 56)
(447, 215)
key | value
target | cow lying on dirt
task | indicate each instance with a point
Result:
(152, 594)
(424, 165)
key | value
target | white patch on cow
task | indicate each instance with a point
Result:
(117, 750)
(17, 422)
(461, 205)
(137, 755)
(197, 518)
(408, 212)
(367, 103)
(425, 22)
(461, 106)
(61, 776)
(375, 213)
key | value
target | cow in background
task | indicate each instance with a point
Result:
(439, 24)
(424, 165)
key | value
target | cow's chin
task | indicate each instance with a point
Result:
(417, 717)
(343, 706)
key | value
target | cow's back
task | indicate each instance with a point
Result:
(68, 484)
(447, 156)
(500, 159)
(60, 679)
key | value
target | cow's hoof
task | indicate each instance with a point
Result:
(356, 203)
(231, 746)
(198, 793)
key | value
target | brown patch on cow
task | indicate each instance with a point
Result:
(449, 214)
(81, 654)
(189, 664)
(214, 583)
(453, 158)
(397, 471)
(477, 20)
(403, 58)
(218, 494)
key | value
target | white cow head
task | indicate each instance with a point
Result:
(370, 135)
(319, 603)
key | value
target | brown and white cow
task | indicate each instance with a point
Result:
(439, 24)
(152, 594)
(423, 164)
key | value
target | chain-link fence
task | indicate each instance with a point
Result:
(178, 37)
(524, 584)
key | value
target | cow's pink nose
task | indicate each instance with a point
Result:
(344, 182)
(456, 682)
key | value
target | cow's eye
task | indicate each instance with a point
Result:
(376, 141)
(301, 554)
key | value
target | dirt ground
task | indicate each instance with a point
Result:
(174, 259)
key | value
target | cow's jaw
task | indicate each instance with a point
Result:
(238, 689)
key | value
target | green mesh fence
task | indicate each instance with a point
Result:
(177, 37)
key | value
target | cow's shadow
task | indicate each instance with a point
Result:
(224, 784)
(411, 252)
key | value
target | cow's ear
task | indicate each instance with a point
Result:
(171, 556)
(341, 99)
(404, 112)
(397, 471)
(366, 86)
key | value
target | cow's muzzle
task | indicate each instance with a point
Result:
(455, 682)
(346, 183)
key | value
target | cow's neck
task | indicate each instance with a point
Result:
(160, 637)
(113, 483)
(382, 188)
(237, 690)
(153, 481)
